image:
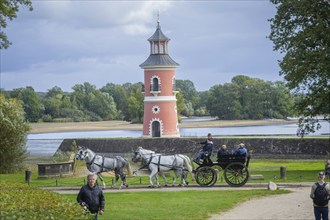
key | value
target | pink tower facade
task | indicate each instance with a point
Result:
(160, 111)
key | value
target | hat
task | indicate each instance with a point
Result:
(321, 174)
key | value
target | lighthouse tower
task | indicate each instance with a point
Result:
(160, 112)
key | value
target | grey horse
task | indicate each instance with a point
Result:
(98, 164)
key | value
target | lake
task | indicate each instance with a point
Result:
(47, 143)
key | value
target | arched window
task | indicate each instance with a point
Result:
(155, 84)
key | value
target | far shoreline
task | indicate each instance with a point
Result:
(52, 127)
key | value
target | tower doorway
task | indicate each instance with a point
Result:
(155, 129)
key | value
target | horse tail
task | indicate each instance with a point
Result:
(128, 168)
(187, 163)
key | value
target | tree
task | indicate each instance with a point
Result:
(300, 30)
(8, 10)
(135, 102)
(180, 104)
(188, 91)
(31, 103)
(13, 135)
(249, 98)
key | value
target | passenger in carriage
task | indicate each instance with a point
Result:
(241, 150)
(207, 148)
(223, 151)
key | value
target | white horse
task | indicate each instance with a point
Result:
(98, 164)
(179, 163)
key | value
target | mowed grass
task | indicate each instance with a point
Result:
(296, 171)
(191, 204)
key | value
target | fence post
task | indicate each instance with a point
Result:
(28, 176)
(283, 172)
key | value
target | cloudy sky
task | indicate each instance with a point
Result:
(63, 43)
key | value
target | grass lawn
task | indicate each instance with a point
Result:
(179, 205)
(192, 204)
(296, 171)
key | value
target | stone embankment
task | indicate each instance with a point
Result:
(295, 148)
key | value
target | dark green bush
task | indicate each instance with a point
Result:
(20, 201)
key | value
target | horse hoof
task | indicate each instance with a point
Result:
(127, 186)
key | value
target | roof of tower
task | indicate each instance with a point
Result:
(159, 60)
(158, 35)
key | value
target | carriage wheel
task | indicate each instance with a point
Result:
(206, 176)
(236, 174)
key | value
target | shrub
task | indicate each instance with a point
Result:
(19, 201)
(47, 118)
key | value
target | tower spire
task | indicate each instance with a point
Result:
(158, 21)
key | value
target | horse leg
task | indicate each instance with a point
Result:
(176, 174)
(123, 180)
(101, 177)
(185, 176)
(151, 176)
(116, 179)
(163, 175)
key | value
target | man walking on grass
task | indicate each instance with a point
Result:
(91, 196)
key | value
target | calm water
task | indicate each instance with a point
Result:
(47, 143)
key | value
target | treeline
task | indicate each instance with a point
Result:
(242, 98)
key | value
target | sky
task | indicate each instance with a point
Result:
(63, 43)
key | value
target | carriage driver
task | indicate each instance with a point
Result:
(91, 196)
(207, 148)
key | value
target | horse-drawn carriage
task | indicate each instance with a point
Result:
(235, 170)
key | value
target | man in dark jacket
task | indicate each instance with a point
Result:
(207, 148)
(91, 196)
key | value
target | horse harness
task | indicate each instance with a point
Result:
(172, 167)
(102, 164)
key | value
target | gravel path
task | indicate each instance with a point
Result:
(296, 206)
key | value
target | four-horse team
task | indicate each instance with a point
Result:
(235, 166)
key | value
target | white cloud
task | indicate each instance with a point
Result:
(67, 42)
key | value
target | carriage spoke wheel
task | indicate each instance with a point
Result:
(206, 176)
(236, 174)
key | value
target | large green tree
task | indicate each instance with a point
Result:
(249, 98)
(31, 102)
(8, 11)
(300, 31)
(13, 135)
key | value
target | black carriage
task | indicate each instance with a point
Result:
(235, 170)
